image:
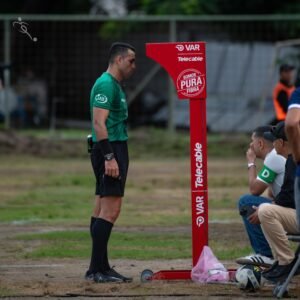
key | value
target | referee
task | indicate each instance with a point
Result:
(109, 156)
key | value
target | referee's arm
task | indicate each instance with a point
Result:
(100, 116)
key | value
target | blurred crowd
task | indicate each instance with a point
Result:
(27, 101)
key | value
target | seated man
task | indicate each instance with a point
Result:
(278, 218)
(271, 176)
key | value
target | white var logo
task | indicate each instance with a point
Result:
(100, 98)
(188, 47)
(180, 47)
(199, 221)
(199, 210)
(265, 174)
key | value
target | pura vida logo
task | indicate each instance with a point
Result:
(23, 28)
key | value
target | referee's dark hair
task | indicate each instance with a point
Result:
(118, 48)
(259, 131)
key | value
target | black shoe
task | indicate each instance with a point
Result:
(105, 278)
(279, 272)
(89, 276)
(113, 273)
(271, 268)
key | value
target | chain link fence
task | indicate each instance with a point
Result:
(49, 64)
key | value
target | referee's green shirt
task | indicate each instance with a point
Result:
(108, 94)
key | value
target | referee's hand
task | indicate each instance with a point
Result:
(112, 168)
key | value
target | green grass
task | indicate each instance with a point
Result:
(5, 292)
(57, 134)
(154, 142)
(227, 250)
(141, 246)
(58, 191)
(77, 244)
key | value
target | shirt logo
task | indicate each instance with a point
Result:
(100, 98)
(123, 100)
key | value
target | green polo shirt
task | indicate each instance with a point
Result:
(108, 94)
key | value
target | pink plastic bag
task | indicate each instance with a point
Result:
(209, 269)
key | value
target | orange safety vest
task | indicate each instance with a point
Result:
(280, 113)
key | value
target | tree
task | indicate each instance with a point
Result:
(200, 7)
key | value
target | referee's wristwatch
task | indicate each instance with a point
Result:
(251, 165)
(109, 156)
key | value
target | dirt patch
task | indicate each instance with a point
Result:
(64, 278)
(59, 278)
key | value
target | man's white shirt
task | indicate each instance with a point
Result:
(273, 171)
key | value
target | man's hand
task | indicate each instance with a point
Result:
(253, 218)
(251, 157)
(112, 168)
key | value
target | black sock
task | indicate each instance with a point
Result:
(93, 220)
(91, 267)
(101, 233)
(105, 262)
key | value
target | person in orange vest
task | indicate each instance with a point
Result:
(283, 91)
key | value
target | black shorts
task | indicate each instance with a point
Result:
(106, 185)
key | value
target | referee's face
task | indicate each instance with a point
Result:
(127, 64)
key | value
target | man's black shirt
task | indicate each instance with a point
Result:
(286, 195)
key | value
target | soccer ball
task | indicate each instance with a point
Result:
(249, 277)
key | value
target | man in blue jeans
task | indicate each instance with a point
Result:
(270, 177)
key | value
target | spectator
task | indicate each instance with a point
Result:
(271, 178)
(282, 92)
(32, 93)
(279, 218)
(8, 98)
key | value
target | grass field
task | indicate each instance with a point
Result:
(46, 199)
(58, 191)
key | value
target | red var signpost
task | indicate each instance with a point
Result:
(186, 64)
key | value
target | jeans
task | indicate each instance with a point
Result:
(254, 231)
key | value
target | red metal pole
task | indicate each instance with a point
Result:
(198, 157)
(185, 62)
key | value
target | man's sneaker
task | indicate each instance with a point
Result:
(104, 278)
(89, 276)
(274, 266)
(256, 260)
(279, 272)
(114, 274)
